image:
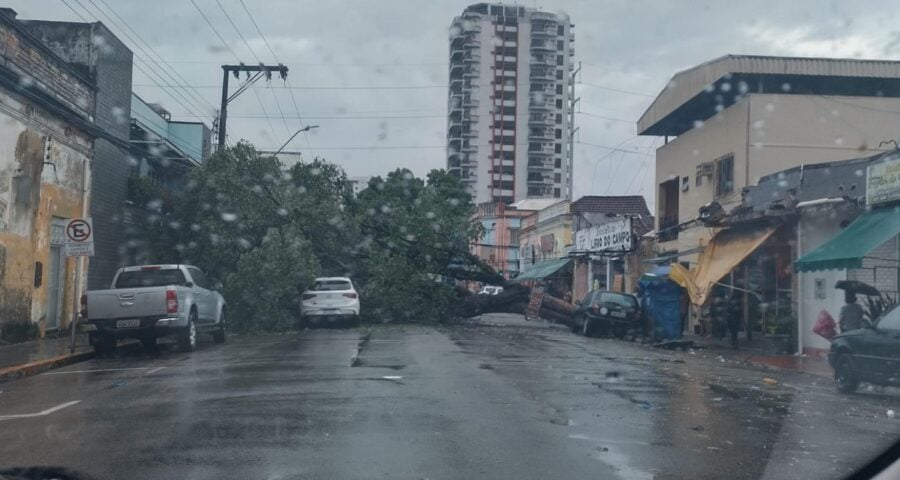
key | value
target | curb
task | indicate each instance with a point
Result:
(17, 372)
(33, 368)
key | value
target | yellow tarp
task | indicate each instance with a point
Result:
(726, 250)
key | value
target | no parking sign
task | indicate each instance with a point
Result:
(79, 238)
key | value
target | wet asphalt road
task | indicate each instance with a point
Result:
(437, 403)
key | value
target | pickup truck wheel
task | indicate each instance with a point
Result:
(149, 343)
(102, 344)
(187, 338)
(844, 377)
(219, 334)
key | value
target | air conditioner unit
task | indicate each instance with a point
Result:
(707, 169)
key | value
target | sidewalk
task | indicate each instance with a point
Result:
(761, 352)
(30, 358)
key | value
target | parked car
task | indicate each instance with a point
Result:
(490, 290)
(329, 302)
(870, 354)
(606, 313)
(151, 301)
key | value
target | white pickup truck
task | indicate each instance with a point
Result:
(151, 301)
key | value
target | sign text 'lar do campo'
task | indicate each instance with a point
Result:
(614, 236)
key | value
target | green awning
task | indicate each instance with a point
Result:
(847, 249)
(543, 269)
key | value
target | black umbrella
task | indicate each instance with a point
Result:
(855, 286)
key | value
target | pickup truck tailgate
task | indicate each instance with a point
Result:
(126, 303)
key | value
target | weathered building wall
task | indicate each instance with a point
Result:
(44, 160)
(108, 61)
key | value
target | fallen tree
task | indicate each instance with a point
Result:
(513, 299)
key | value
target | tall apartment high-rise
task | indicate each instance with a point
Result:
(510, 116)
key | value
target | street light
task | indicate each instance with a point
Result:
(304, 129)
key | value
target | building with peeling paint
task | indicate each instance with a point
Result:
(47, 132)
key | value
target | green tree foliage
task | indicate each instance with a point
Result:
(266, 231)
(412, 232)
(263, 290)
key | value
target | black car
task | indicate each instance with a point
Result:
(606, 313)
(870, 354)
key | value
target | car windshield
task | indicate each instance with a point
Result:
(441, 239)
(616, 299)
(326, 285)
(150, 278)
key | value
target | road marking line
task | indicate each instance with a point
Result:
(97, 370)
(154, 370)
(41, 413)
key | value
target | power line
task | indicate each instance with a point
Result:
(259, 31)
(616, 148)
(613, 89)
(268, 119)
(227, 46)
(213, 28)
(359, 87)
(373, 147)
(275, 56)
(255, 56)
(331, 64)
(612, 119)
(236, 29)
(160, 57)
(188, 107)
(337, 117)
(74, 11)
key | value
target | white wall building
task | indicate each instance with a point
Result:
(358, 184)
(509, 105)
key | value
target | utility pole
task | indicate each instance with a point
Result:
(259, 71)
(572, 131)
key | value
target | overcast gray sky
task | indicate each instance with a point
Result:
(337, 51)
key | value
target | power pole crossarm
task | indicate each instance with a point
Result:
(266, 70)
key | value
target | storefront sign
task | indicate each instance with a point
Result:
(883, 182)
(614, 236)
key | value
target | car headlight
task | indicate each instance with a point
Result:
(604, 310)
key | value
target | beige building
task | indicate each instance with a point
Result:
(734, 119)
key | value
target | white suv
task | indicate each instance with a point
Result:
(330, 300)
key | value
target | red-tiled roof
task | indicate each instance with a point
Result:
(616, 204)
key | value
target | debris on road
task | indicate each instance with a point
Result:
(770, 381)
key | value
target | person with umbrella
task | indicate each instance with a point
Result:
(852, 314)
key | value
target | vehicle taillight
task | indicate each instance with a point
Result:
(350, 295)
(171, 301)
(84, 306)
(307, 296)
